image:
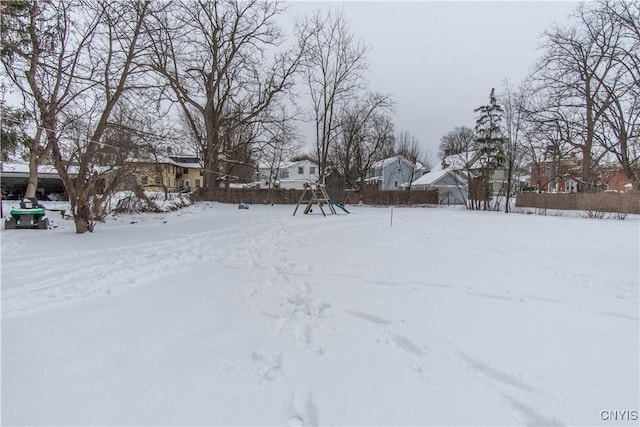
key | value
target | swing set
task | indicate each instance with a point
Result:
(317, 196)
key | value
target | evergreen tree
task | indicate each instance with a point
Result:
(489, 142)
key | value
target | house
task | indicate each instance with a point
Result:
(173, 172)
(394, 173)
(557, 175)
(472, 164)
(614, 179)
(289, 175)
(565, 176)
(452, 189)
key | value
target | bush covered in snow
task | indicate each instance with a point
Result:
(133, 202)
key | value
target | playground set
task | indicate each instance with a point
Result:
(317, 195)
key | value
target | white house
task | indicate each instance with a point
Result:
(289, 175)
(394, 173)
(452, 189)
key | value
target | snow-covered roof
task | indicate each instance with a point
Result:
(188, 165)
(283, 165)
(391, 160)
(373, 179)
(385, 162)
(182, 161)
(19, 169)
(460, 161)
(434, 176)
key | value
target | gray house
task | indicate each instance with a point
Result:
(452, 189)
(394, 173)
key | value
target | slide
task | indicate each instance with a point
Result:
(340, 205)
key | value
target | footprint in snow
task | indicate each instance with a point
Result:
(303, 411)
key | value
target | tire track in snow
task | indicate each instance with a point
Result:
(421, 357)
(507, 386)
(530, 416)
(387, 326)
(142, 263)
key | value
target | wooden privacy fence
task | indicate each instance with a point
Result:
(601, 202)
(281, 196)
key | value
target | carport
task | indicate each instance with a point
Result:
(15, 176)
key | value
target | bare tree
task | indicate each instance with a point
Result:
(408, 146)
(213, 58)
(75, 61)
(622, 115)
(371, 147)
(514, 123)
(460, 140)
(335, 64)
(280, 141)
(577, 62)
(356, 120)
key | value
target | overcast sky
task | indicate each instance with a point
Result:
(439, 60)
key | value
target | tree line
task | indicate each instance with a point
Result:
(581, 99)
(103, 82)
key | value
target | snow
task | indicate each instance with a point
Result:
(212, 315)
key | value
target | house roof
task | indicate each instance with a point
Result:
(22, 169)
(460, 161)
(284, 164)
(385, 162)
(189, 161)
(435, 175)
(188, 165)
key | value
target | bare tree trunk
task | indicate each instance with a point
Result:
(32, 183)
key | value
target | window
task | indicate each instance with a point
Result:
(300, 170)
(284, 174)
(185, 171)
(197, 183)
(144, 180)
(395, 184)
(312, 170)
(158, 180)
(201, 172)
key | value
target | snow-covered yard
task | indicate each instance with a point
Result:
(212, 315)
